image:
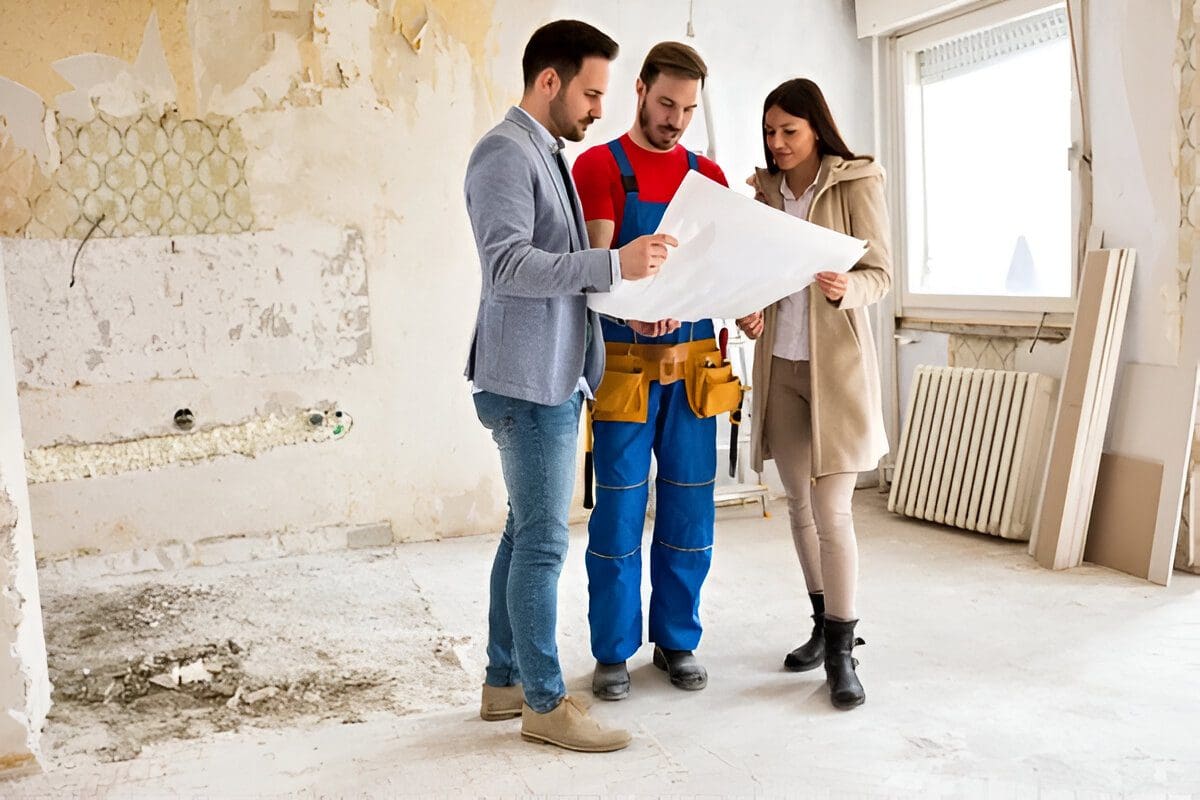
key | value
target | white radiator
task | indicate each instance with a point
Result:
(973, 450)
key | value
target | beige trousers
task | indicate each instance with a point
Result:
(820, 512)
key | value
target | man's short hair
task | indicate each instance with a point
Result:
(563, 45)
(675, 59)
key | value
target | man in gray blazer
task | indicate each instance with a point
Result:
(537, 354)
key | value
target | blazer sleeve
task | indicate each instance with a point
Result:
(500, 202)
(871, 278)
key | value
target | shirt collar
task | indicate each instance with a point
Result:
(788, 194)
(552, 142)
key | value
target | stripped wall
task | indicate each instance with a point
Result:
(1187, 140)
(24, 679)
(275, 192)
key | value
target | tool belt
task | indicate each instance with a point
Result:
(623, 395)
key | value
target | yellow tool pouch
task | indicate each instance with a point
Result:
(712, 388)
(624, 392)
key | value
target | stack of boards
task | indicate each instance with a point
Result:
(1060, 532)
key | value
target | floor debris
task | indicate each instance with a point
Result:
(212, 649)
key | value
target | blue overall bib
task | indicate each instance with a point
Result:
(685, 448)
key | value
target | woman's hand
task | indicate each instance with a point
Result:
(752, 324)
(832, 284)
(752, 182)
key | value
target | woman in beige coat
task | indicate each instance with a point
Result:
(817, 408)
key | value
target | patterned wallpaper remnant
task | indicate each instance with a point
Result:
(1187, 58)
(20, 179)
(982, 352)
(147, 176)
(1187, 131)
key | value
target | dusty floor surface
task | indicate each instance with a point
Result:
(285, 642)
(356, 674)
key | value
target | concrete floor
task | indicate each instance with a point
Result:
(986, 677)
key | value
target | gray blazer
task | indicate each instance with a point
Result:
(529, 340)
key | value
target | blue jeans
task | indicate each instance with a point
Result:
(537, 454)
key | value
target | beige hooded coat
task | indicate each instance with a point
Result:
(847, 404)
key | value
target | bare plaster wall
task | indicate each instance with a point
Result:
(350, 121)
(24, 681)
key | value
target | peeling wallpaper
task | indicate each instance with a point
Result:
(146, 176)
(20, 180)
(38, 34)
(247, 59)
(243, 60)
(982, 352)
(1187, 133)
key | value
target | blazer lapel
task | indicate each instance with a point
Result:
(556, 179)
(580, 223)
(574, 221)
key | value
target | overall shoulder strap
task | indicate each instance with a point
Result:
(628, 179)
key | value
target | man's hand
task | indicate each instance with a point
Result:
(832, 284)
(642, 257)
(660, 328)
(752, 324)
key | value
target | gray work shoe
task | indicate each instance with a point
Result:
(610, 681)
(682, 667)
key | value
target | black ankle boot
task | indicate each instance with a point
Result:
(845, 690)
(810, 654)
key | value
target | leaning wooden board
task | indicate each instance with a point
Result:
(1057, 541)
(1121, 535)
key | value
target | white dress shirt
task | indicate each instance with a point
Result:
(791, 330)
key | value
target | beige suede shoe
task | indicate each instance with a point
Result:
(569, 726)
(501, 702)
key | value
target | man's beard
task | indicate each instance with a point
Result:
(663, 138)
(569, 129)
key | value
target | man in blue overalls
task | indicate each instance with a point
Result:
(648, 401)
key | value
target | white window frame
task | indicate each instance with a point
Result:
(902, 107)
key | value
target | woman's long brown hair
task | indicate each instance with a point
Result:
(802, 98)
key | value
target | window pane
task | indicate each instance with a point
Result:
(997, 181)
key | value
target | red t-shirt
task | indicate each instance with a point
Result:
(598, 178)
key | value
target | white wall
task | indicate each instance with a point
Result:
(1135, 106)
(750, 49)
(881, 17)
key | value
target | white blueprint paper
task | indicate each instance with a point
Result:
(735, 256)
